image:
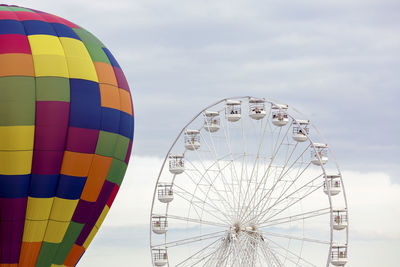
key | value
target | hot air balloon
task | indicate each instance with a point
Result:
(66, 131)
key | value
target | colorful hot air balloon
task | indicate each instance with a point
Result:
(66, 131)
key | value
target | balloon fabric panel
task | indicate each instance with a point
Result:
(66, 132)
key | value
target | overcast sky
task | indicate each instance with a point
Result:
(336, 61)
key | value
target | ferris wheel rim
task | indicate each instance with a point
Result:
(294, 121)
(343, 187)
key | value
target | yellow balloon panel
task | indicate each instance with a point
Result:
(38, 208)
(16, 137)
(15, 162)
(63, 209)
(45, 45)
(55, 231)
(50, 65)
(34, 230)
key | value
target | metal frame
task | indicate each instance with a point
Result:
(263, 203)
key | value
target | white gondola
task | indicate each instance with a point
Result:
(320, 152)
(233, 110)
(279, 116)
(160, 257)
(339, 255)
(165, 193)
(300, 130)
(176, 164)
(339, 219)
(192, 139)
(333, 185)
(159, 224)
(257, 108)
(211, 121)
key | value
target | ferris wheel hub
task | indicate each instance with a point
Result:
(235, 229)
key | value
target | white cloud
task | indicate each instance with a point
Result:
(373, 206)
(373, 209)
(133, 203)
(372, 198)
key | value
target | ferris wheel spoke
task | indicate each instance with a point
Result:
(211, 210)
(296, 161)
(227, 260)
(212, 185)
(271, 256)
(295, 179)
(256, 258)
(229, 257)
(262, 134)
(229, 164)
(274, 148)
(269, 192)
(206, 257)
(267, 253)
(258, 244)
(206, 199)
(255, 246)
(215, 256)
(265, 175)
(298, 257)
(298, 217)
(202, 175)
(193, 220)
(225, 182)
(279, 179)
(194, 196)
(219, 255)
(220, 201)
(193, 239)
(292, 237)
(311, 189)
(243, 173)
(192, 256)
(308, 189)
(282, 197)
(289, 201)
(238, 251)
(242, 249)
(203, 210)
(244, 170)
(283, 174)
(280, 175)
(218, 258)
(267, 257)
(277, 148)
(226, 130)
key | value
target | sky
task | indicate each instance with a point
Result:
(336, 61)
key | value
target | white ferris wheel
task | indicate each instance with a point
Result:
(250, 183)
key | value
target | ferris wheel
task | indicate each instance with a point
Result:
(249, 182)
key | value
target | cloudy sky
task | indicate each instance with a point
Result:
(337, 61)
